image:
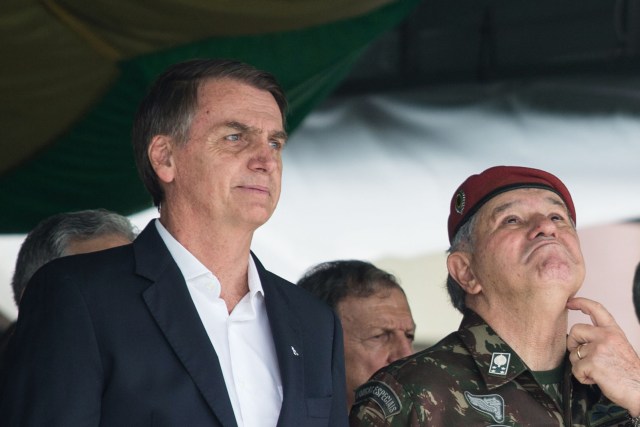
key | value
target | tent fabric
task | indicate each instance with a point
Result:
(136, 27)
(90, 164)
(59, 56)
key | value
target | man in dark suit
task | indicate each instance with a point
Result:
(184, 327)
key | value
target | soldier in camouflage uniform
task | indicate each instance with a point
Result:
(515, 261)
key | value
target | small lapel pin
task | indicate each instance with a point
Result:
(295, 353)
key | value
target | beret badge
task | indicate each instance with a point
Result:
(460, 200)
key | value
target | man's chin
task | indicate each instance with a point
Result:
(255, 213)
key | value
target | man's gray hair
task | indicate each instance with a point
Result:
(50, 239)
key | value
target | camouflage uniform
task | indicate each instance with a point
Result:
(473, 378)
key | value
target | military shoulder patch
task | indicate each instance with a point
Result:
(382, 395)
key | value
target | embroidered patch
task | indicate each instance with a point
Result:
(499, 363)
(382, 395)
(490, 404)
(607, 414)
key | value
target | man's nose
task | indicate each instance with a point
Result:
(263, 157)
(542, 226)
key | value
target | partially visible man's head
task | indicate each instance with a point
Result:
(170, 106)
(499, 219)
(65, 234)
(375, 315)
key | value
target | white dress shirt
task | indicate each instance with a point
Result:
(242, 339)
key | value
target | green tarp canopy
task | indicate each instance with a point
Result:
(73, 73)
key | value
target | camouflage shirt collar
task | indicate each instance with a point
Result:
(485, 346)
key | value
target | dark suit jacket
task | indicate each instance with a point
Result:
(113, 338)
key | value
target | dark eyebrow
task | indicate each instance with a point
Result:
(280, 135)
(238, 126)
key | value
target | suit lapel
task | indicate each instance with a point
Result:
(170, 304)
(288, 345)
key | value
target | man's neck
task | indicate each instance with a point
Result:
(537, 336)
(225, 252)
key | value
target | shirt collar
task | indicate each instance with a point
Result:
(191, 267)
(255, 284)
(187, 263)
(485, 346)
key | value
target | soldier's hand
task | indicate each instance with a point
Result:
(601, 354)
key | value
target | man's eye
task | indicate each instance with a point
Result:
(381, 337)
(557, 218)
(511, 220)
(234, 137)
(275, 144)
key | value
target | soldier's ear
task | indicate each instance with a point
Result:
(459, 266)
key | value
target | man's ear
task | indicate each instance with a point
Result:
(160, 153)
(459, 266)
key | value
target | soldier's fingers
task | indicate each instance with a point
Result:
(581, 375)
(580, 333)
(599, 315)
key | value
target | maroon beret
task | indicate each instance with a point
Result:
(479, 189)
